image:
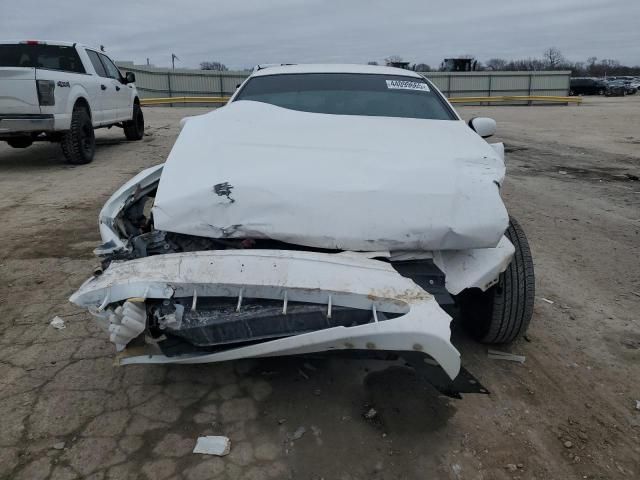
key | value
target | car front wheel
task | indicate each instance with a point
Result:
(134, 128)
(503, 312)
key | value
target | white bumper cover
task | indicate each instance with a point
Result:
(346, 279)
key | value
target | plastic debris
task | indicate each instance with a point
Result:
(637, 404)
(498, 355)
(213, 445)
(58, 446)
(57, 323)
(550, 302)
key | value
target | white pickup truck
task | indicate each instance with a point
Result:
(61, 92)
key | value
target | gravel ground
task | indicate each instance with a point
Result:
(568, 412)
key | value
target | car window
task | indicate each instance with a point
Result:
(97, 64)
(48, 57)
(112, 70)
(349, 94)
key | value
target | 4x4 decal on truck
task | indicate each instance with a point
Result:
(63, 84)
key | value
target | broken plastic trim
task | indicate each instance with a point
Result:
(346, 280)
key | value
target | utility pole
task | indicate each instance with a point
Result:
(174, 57)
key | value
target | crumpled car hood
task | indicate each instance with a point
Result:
(253, 170)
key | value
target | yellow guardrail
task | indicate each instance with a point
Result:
(167, 100)
(496, 99)
(517, 98)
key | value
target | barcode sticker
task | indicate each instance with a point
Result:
(407, 85)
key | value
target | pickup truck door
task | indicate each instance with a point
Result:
(18, 94)
(107, 92)
(118, 90)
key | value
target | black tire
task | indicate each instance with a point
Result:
(504, 311)
(134, 128)
(20, 142)
(601, 92)
(79, 143)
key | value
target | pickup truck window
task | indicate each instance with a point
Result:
(97, 64)
(349, 94)
(49, 57)
(112, 70)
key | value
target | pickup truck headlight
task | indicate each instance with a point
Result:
(46, 92)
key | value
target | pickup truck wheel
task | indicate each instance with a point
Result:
(504, 311)
(20, 142)
(134, 128)
(79, 143)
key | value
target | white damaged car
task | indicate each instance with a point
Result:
(324, 208)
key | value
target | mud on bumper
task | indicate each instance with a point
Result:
(231, 304)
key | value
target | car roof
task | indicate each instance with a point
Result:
(333, 68)
(47, 42)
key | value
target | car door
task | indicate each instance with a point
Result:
(120, 91)
(106, 102)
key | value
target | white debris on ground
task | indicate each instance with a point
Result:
(57, 323)
(550, 302)
(637, 404)
(498, 355)
(213, 445)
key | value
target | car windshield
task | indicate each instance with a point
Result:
(349, 94)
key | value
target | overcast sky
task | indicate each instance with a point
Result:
(243, 33)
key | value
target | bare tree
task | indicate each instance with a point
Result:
(553, 58)
(421, 67)
(220, 67)
(496, 64)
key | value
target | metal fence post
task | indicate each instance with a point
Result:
(530, 82)
(169, 86)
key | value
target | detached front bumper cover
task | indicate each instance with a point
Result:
(344, 279)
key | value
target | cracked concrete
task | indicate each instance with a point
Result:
(66, 412)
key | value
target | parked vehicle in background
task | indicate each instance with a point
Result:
(630, 88)
(62, 91)
(619, 88)
(587, 86)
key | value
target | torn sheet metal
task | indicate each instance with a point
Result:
(371, 183)
(112, 237)
(471, 268)
(338, 279)
(474, 268)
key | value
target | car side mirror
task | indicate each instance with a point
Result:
(130, 77)
(483, 126)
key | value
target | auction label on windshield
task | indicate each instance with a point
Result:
(407, 85)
